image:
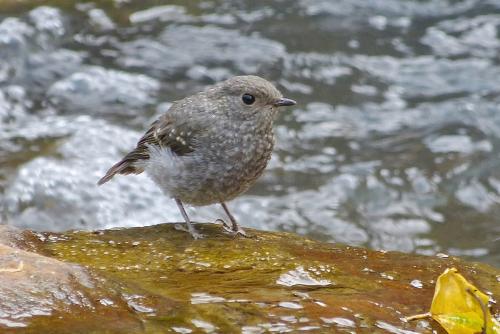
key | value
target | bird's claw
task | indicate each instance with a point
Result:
(231, 230)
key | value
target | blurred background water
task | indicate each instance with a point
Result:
(394, 143)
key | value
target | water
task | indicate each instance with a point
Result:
(394, 143)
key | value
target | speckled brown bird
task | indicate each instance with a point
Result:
(209, 147)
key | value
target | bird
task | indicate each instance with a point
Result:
(209, 147)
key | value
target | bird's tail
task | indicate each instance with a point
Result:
(124, 166)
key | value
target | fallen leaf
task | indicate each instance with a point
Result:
(459, 307)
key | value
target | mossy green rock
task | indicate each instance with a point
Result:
(158, 280)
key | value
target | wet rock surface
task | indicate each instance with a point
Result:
(39, 292)
(157, 279)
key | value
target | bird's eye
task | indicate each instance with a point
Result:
(248, 99)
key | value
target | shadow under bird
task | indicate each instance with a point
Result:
(209, 147)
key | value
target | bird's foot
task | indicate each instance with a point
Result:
(233, 230)
(189, 229)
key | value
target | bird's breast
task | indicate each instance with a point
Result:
(247, 159)
(226, 165)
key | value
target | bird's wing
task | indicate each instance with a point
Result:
(162, 133)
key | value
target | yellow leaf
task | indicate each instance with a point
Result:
(460, 307)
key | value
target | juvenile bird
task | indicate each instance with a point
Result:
(209, 147)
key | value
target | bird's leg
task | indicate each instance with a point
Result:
(190, 228)
(235, 228)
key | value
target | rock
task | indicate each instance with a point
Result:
(35, 290)
(157, 279)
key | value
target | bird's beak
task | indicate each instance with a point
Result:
(284, 102)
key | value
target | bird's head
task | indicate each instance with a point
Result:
(250, 97)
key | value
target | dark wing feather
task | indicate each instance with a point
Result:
(161, 133)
